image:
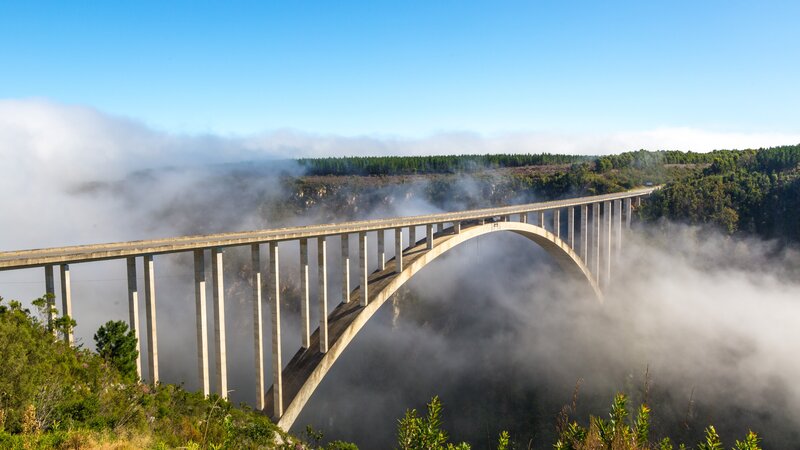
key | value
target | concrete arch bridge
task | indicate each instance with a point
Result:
(583, 244)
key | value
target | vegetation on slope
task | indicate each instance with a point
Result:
(53, 395)
(750, 191)
(620, 431)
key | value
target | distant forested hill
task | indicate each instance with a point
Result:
(408, 165)
(745, 191)
(750, 191)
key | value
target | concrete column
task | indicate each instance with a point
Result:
(585, 233)
(381, 249)
(596, 241)
(345, 268)
(66, 300)
(438, 228)
(541, 220)
(412, 236)
(133, 311)
(638, 201)
(219, 321)
(150, 307)
(363, 269)
(258, 337)
(607, 237)
(507, 218)
(50, 290)
(571, 227)
(481, 221)
(201, 319)
(277, 363)
(305, 321)
(456, 227)
(557, 222)
(523, 217)
(429, 236)
(398, 249)
(617, 228)
(322, 292)
(628, 211)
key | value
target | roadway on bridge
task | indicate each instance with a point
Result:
(97, 252)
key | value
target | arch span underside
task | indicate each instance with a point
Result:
(308, 367)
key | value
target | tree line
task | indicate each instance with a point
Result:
(409, 165)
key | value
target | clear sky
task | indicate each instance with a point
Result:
(412, 68)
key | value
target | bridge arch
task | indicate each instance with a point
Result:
(308, 367)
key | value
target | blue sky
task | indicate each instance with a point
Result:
(412, 68)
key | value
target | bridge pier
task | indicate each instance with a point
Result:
(398, 249)
(258, 337)
(541, 220)
(305, 336)
(50, 290)
(607, 237)
(585, 234)
(277, 364)
(571, 227)
(66, 301)
(628, 211)
(133, 311)
(457, 227)
(201, 319)
(150, 309)
(596, 241)
(523, 217)
(363, 269)
(345, 268)
(412, 236)
(429, 236)
(217, 278)
(322, 292)
(557, 222)
(381, 249)
(617, 228)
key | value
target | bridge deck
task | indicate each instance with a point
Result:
(85, 253)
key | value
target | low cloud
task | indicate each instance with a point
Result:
(495, 330)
